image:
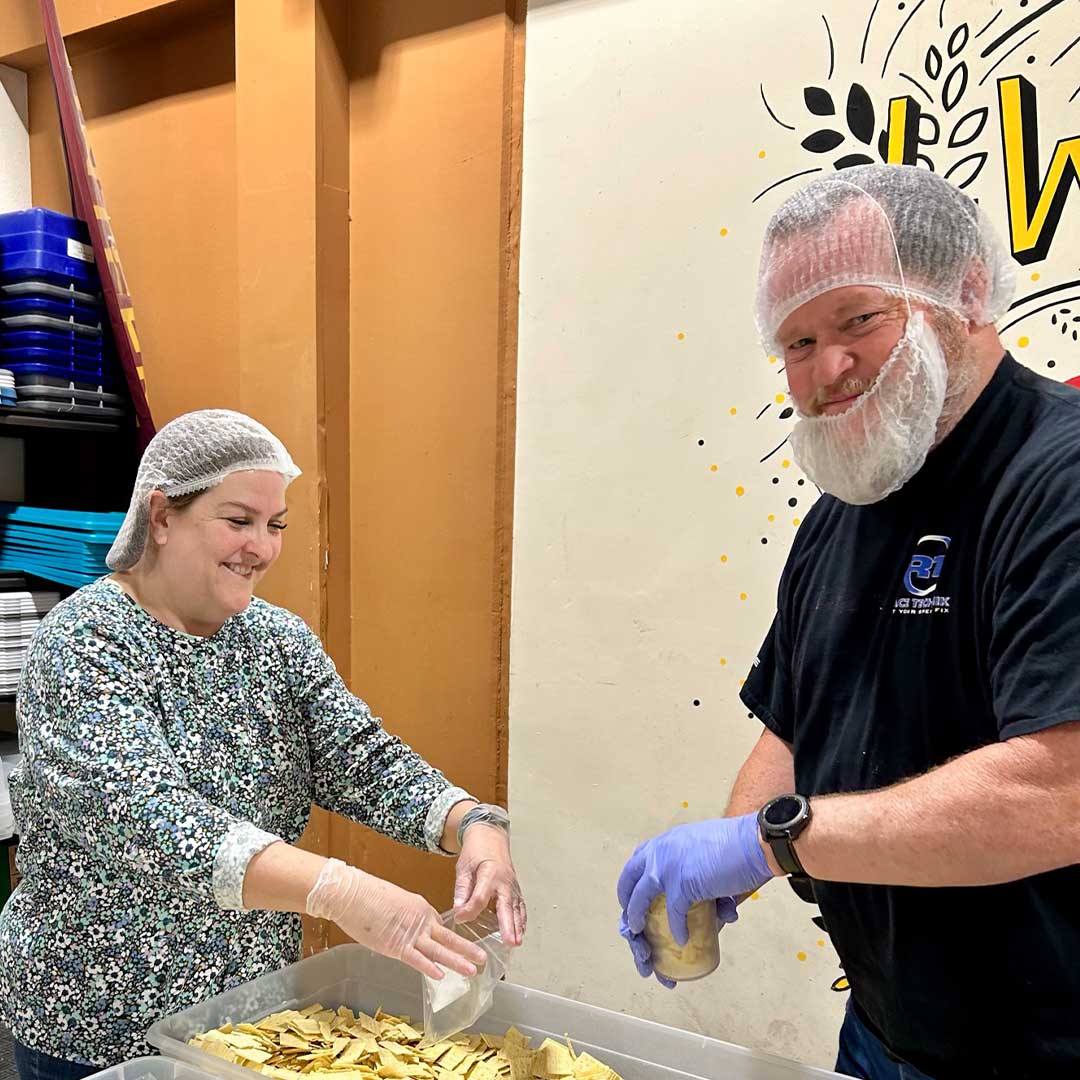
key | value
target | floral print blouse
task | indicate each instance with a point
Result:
(156, 765)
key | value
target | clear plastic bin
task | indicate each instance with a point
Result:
(351, 975)
(149, 1068)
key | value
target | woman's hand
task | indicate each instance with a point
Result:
(390, 920)
(485, 872)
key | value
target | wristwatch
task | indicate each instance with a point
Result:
(780, 823)
(487, 814)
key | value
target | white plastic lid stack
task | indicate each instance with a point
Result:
(7, 818)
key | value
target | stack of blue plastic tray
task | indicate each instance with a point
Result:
(54, 333)
(68, 546)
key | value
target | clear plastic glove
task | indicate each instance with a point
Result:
(485, 872)
(391, 921)
(726, 912)
(706, 860)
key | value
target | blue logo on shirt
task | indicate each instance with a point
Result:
(926, 567)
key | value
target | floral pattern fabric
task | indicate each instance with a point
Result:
(156, 765)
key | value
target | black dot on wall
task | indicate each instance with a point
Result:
(776, 479)
(793, 502)
(1031, 59)
(751, 715)
(701, 442)
(801, 482)
(764, 539)
(696, 701)
(1051, 363)
(900, 7)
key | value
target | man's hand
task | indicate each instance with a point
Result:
(707, 860)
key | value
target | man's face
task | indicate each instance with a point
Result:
(835, 345)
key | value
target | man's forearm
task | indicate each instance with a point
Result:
(1003, 812)
(768, 771)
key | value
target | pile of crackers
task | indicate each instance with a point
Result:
(323, 1044)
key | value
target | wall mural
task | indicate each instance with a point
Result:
(972, 105)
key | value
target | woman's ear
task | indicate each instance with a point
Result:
(159, 517)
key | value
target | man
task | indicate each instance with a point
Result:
(920, 685)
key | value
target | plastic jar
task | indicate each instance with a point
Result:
(699, 957)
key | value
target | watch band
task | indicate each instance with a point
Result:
(786, 856)
(486, 814)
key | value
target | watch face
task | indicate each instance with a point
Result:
(783, 811)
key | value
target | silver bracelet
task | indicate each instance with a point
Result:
(486, 814)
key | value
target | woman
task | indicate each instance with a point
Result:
(176, 731)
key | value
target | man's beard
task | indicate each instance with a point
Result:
(872, 449)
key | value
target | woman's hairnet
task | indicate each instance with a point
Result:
(195, 452)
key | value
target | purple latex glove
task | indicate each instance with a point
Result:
(726, 912)
(705, 860)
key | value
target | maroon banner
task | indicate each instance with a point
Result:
(89, 204)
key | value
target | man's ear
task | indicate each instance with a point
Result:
(974, 293)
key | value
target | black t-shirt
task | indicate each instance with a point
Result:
(942, 619)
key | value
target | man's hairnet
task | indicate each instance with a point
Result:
(850, 227)
(195, 452)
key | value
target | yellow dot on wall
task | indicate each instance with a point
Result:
(723, 232)
(772, 517)
(741, 681)
(723, 661)
(1036, 276)
(685, 805)
(740, 491)
(742, 596)
(755, 896)
(821, 944)
(761, 153)
(772, 359)
(1023, 342)
(785, 464)
(779, 399)
(800, 956)
(681, 336)
(713, 468)
(733, 410)
(723, 558)
(795, 522)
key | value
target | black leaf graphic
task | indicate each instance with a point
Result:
(955, 85)
(957, 40)
(967, 169)
(850, 160)
(965, 132)
(860, 114)
(883, 146)
(819, 101)
(819, 922)
(926, 161)
(821, 142)
(788, 411)
(935, 134)
(933, 62)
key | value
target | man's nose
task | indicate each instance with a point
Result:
(833, 362)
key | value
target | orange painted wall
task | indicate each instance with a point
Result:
(371, 323)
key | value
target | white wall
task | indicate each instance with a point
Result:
(14, 141)
(641, 583)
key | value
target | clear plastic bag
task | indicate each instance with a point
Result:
(454, 1003)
